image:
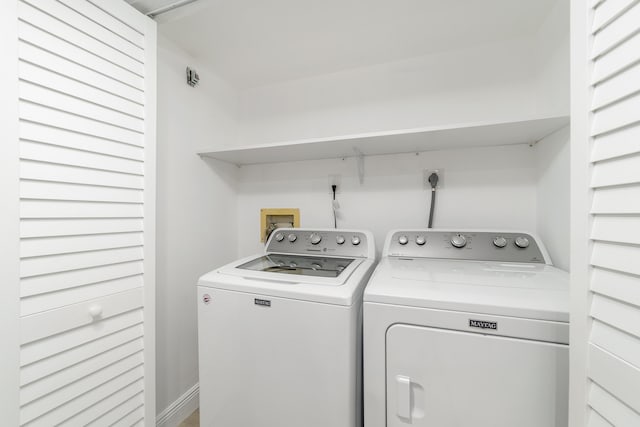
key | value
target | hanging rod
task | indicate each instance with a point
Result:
(169, 7)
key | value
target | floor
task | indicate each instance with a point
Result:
(192, 421)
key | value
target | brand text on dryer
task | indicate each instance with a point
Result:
(483, 324)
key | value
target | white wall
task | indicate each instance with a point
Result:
(195, 210)
(552, 160)
(494, 82)
(492, 187)
(514, 79)
(552, 60)
(552, 153)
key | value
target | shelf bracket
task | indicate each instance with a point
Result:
(360, 161)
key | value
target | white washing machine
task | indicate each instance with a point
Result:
(466, 329)
(280, 333)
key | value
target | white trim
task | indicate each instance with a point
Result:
(9, 217)
(150, 82)
(180, 410)
(581, 16)
(169, 7)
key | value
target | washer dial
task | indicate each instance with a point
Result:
(340, 240)
(403, 240)
(420, 240)
(355, 240)
(459, 241)
(315, 238)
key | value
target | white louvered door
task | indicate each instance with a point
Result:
(606, 229)
(86, 128)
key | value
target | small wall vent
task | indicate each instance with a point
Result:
(192, 77)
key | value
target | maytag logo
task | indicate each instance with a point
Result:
(483, 324)
(262, 302)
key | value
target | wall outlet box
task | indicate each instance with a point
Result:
(272, 219)
(426, 173)
(335, 180)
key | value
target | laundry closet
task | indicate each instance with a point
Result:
(148, 148)
(292, 98)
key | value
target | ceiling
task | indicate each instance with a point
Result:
(259, 42)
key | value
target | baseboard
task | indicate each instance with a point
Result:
(179, 410)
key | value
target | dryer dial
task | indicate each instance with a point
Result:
(459, 241)
(522, 242)
(500, 242)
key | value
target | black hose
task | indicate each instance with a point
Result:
(433, 205)
(333, 207)
(433, 180)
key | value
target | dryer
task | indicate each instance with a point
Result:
(280, 332)
(466, 329)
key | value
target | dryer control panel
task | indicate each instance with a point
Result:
(466, 245)
(343, 243)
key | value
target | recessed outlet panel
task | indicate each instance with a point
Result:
(272, 219)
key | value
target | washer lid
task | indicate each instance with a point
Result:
(298, 265)
(345, 289)
(534, 291)
(294, 270)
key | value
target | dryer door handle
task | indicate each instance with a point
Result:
(403, 397)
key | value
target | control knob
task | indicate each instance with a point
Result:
(421, 240)
(522, 242)
(292, 237)
(459, 241)
(315, 238)
(355, 240)
(500, 242)
(403, 240)
(279, 237)
(340, 240)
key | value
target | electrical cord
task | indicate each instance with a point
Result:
(333, 206)
(433, 180)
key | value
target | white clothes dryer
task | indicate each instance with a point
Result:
(280, 333)
(466, 329)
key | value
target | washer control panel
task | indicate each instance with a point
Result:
(465, 245)
(321, 242)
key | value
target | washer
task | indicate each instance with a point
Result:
(466, 328)
(280, 333)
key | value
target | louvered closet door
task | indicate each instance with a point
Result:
(613, 326)
(87, 146)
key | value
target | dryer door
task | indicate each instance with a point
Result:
(445, 378)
